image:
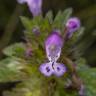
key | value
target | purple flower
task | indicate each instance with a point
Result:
(52, 68)
(46, 69)
(53, 46)
(59, 69)
(34, 6)
(72, 25)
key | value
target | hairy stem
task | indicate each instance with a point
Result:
(76, 81)
(49, 87)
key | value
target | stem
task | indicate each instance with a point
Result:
(76, 81)
(52, 86)
(49, 87)
(10, 28)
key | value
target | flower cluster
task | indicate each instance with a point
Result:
(53, 43)
(53, 46)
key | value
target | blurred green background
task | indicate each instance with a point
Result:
(11, 29)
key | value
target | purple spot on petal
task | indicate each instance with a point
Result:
(59, 69)
(46, 69)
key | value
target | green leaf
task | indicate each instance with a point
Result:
(89, 79)
(66, 14)
(29, 24)
(71, 45)
(81, 32)
(57, 20)
(76, 36)
(61, 19)
(49, 16)
(26, 22)
(61, 91)
(88, 76)
(30, 87)
(58, 17)
(17, 49)
(10, 70)
(43, 26)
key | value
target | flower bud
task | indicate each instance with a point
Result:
(34, 6)
(28, 52)
(36, 30)
(72, 25)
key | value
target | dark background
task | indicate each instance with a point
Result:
(11, 28)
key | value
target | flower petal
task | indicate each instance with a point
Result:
(35, 6)
(59, 69)
(46, 69)
(21, 1)
(53, 46)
